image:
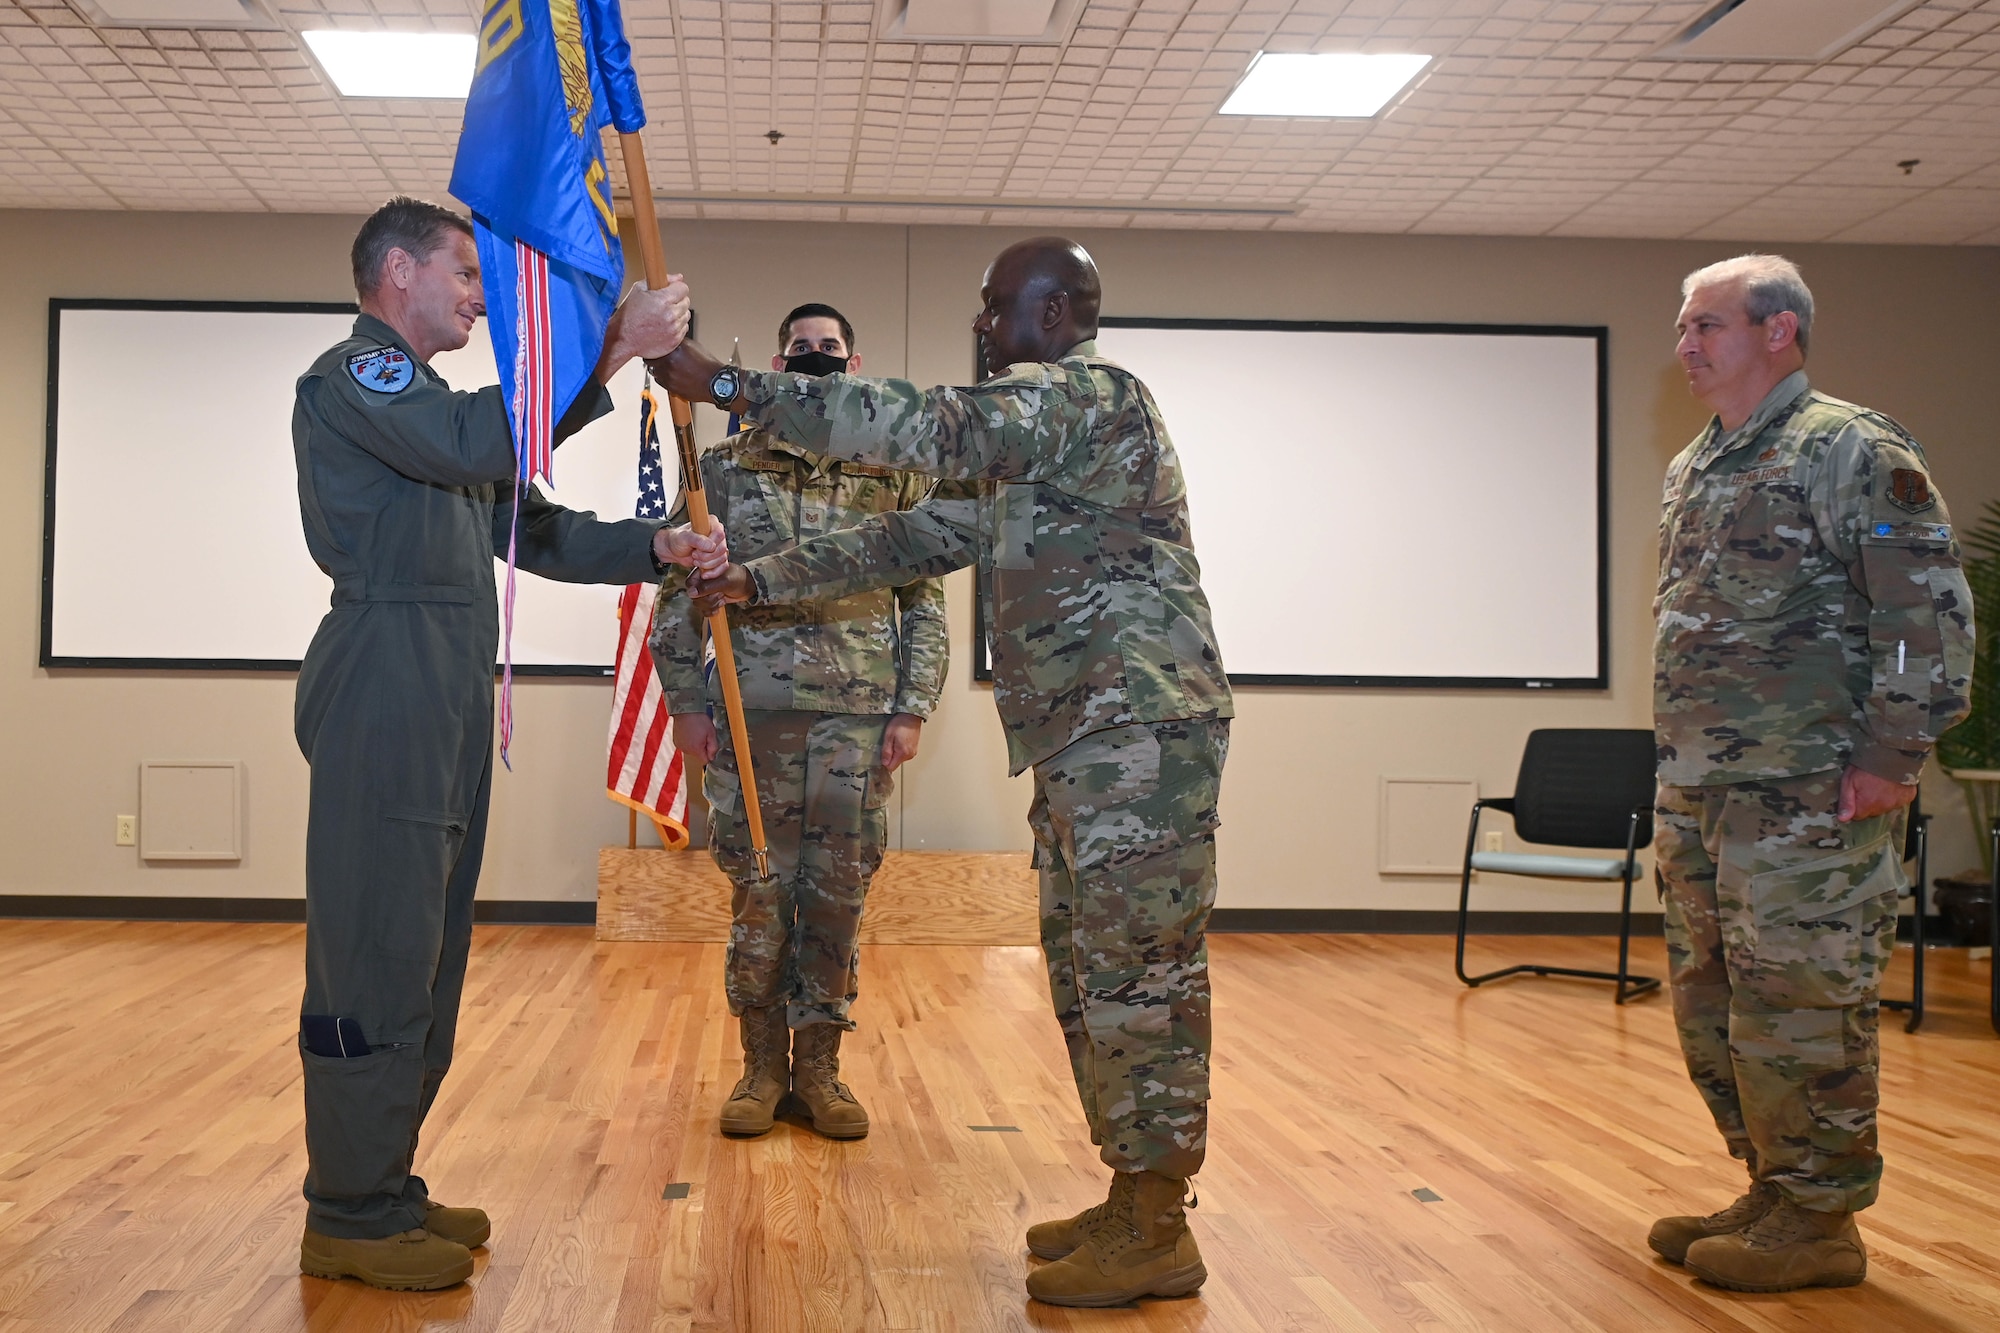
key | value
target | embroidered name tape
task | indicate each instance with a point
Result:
(382, 369)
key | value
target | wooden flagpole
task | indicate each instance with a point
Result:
(654, 259)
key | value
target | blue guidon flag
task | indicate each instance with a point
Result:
(551, 75)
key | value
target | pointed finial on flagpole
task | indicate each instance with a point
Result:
(736, 353)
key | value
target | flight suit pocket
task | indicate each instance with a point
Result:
(358, 1117)
(415, 852)
(1820, 926)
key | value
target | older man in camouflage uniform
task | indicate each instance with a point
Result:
(1814, 641)
(1063, 488)
(836, 691)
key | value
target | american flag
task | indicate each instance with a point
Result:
(644, 769)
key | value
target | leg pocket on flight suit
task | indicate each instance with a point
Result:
(358, 1117)
(414, 855)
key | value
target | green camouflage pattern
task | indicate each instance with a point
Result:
(1812, 612)
(1124, 822)
(792, 938)
(1063, 487)
(1780, 921)
(880, 650)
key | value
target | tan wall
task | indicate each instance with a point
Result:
(1907, 330)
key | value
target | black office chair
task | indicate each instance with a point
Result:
(1576, 788)
(1916, 847)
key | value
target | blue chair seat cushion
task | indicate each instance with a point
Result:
(1550, 867)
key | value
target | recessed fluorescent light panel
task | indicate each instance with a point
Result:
(396, 64)
(1339, 83)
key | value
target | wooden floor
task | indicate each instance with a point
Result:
(150, 1148)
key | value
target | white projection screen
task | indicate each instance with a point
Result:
(171, 516)
(1390, 504)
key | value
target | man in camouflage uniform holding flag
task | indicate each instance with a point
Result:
(1814, 640)
(1062, 486)
(837, 691)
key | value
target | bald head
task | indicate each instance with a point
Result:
(1040, 298)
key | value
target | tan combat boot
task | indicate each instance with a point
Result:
(1786, 1248)
(1141, 1248)
(1671, 1236)
(412, 1261)
(1056, 1240)
(753, 1107)
(469, 1227)
(816, 1083)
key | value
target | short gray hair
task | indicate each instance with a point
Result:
(1771, 283)
(415, 226)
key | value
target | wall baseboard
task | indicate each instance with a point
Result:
(1390, 921)
(87, 908)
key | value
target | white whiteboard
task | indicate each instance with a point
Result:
(174, 537)
(1389, 504)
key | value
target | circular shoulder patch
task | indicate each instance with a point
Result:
(382, 369)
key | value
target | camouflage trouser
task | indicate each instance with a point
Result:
(792, 939)
(1780, 921)
(1124, 823)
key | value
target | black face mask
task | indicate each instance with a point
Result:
(815, 363)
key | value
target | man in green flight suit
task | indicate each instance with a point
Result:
(837, 691)
(1814, 641)
(406, 491)
(1062, 486)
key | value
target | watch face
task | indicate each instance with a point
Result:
(724, 386)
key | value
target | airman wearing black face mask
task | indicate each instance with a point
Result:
(831, 716)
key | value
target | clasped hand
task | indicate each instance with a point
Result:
(714, 582)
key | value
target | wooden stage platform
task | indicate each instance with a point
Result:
(150, 1149)
(646, 893)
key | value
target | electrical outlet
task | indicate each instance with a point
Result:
(128, 830)
(1496, 840)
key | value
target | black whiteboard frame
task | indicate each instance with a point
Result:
(48, 658)
(982, 664)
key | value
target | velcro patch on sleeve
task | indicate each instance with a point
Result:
(1910, 490)
(382, 369)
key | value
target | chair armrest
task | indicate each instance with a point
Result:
(1505, 803)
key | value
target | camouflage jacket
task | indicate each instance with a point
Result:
(1812, 611)
(1063, 487)
(879, 651)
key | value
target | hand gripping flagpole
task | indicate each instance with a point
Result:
(654, 259)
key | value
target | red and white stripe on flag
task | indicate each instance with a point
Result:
(644, 770)
(534, 368)
(534, 441)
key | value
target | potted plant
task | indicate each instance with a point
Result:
(1970, 751)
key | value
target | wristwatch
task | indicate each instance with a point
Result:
(724, 385)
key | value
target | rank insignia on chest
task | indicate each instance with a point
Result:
(382, 369)
(1910, 490)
